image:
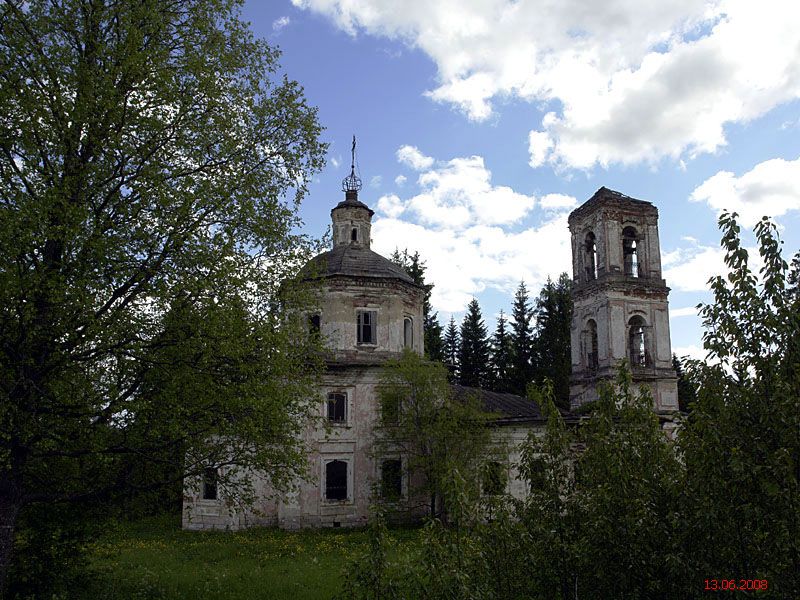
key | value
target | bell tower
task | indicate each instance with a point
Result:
(352, 220)
(620, 299)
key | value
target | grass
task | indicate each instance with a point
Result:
(155, 559)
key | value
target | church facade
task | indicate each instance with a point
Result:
(371, 310)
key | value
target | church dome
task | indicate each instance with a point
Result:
(354, 261)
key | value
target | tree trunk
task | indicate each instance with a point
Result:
(9, 511)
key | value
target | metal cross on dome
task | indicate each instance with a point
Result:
(352, 183)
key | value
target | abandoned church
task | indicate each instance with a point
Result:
(371, 310)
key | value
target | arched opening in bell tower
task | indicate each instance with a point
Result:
(590, 255)
(637, 342)
(630, 251)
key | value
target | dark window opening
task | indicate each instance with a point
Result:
(636, 342)
(336, 407)
(630, 252)
(494, 479)
(391, 479)
(354, 235)
(592, 358)
(313, 324)
(408, 332)
(590, 247)
(366, 327)
(336, 480)
(210, 484)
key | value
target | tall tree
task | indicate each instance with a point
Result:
(551, 356)
(501, 356)
(686, 389)
(435, 433)
(149, 156)
(432, 329)
(452, 343)
(473, 353)
(740, 442)
(521, 341)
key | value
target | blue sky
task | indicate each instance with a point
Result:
(482, 123)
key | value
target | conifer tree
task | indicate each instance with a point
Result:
(551, 347)
(452, 342)
(473, 355)
(501, 356)
(521, 341)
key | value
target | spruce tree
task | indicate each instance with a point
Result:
(501, 356)
(452, 342)
(521, 341)
(473, 351)
(551, 347)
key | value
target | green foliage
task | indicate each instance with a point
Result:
(502, 352)
(740, 443)
(473, 352)
(551, 349)
(522, 341)
(687, 390)
(452, 342)
(436, 434)
(151, 165)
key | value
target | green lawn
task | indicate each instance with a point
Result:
(154, 558)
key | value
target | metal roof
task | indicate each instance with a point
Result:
(355, 261)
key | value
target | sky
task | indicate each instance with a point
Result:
(482, 123)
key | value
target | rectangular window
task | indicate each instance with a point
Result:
(367, 327)
(391, 479)
(336, 480)
(210, 484)
(337, 407)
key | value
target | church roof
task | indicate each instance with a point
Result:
(352, 201)
(511, 407)
(356, 261)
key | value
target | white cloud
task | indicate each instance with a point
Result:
(375, 181)
(689, 311)
(692, 351)
(459, 221)
(412, 157)
(770, 188)
(391, 205)
(280, 23)
(626, 81)
(692, 268)
(336, 161)
(400, 180)
(558, 201)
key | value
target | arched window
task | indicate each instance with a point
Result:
(630, 251)
(592, 355)
(210, 477)
(354, 235)
(590, 255)
(336, 480)
(408, 332)
(636, 342)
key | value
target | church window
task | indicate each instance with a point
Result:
(636, 342)
(630, 252)
(408, 332)
(337, 403)
(592, 355)
(336, 480)
(494, 479)
(354, 235)
(391, 479)
(366, 330)
(590, 253)
(210, 476)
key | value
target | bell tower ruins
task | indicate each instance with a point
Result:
(620, 299)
